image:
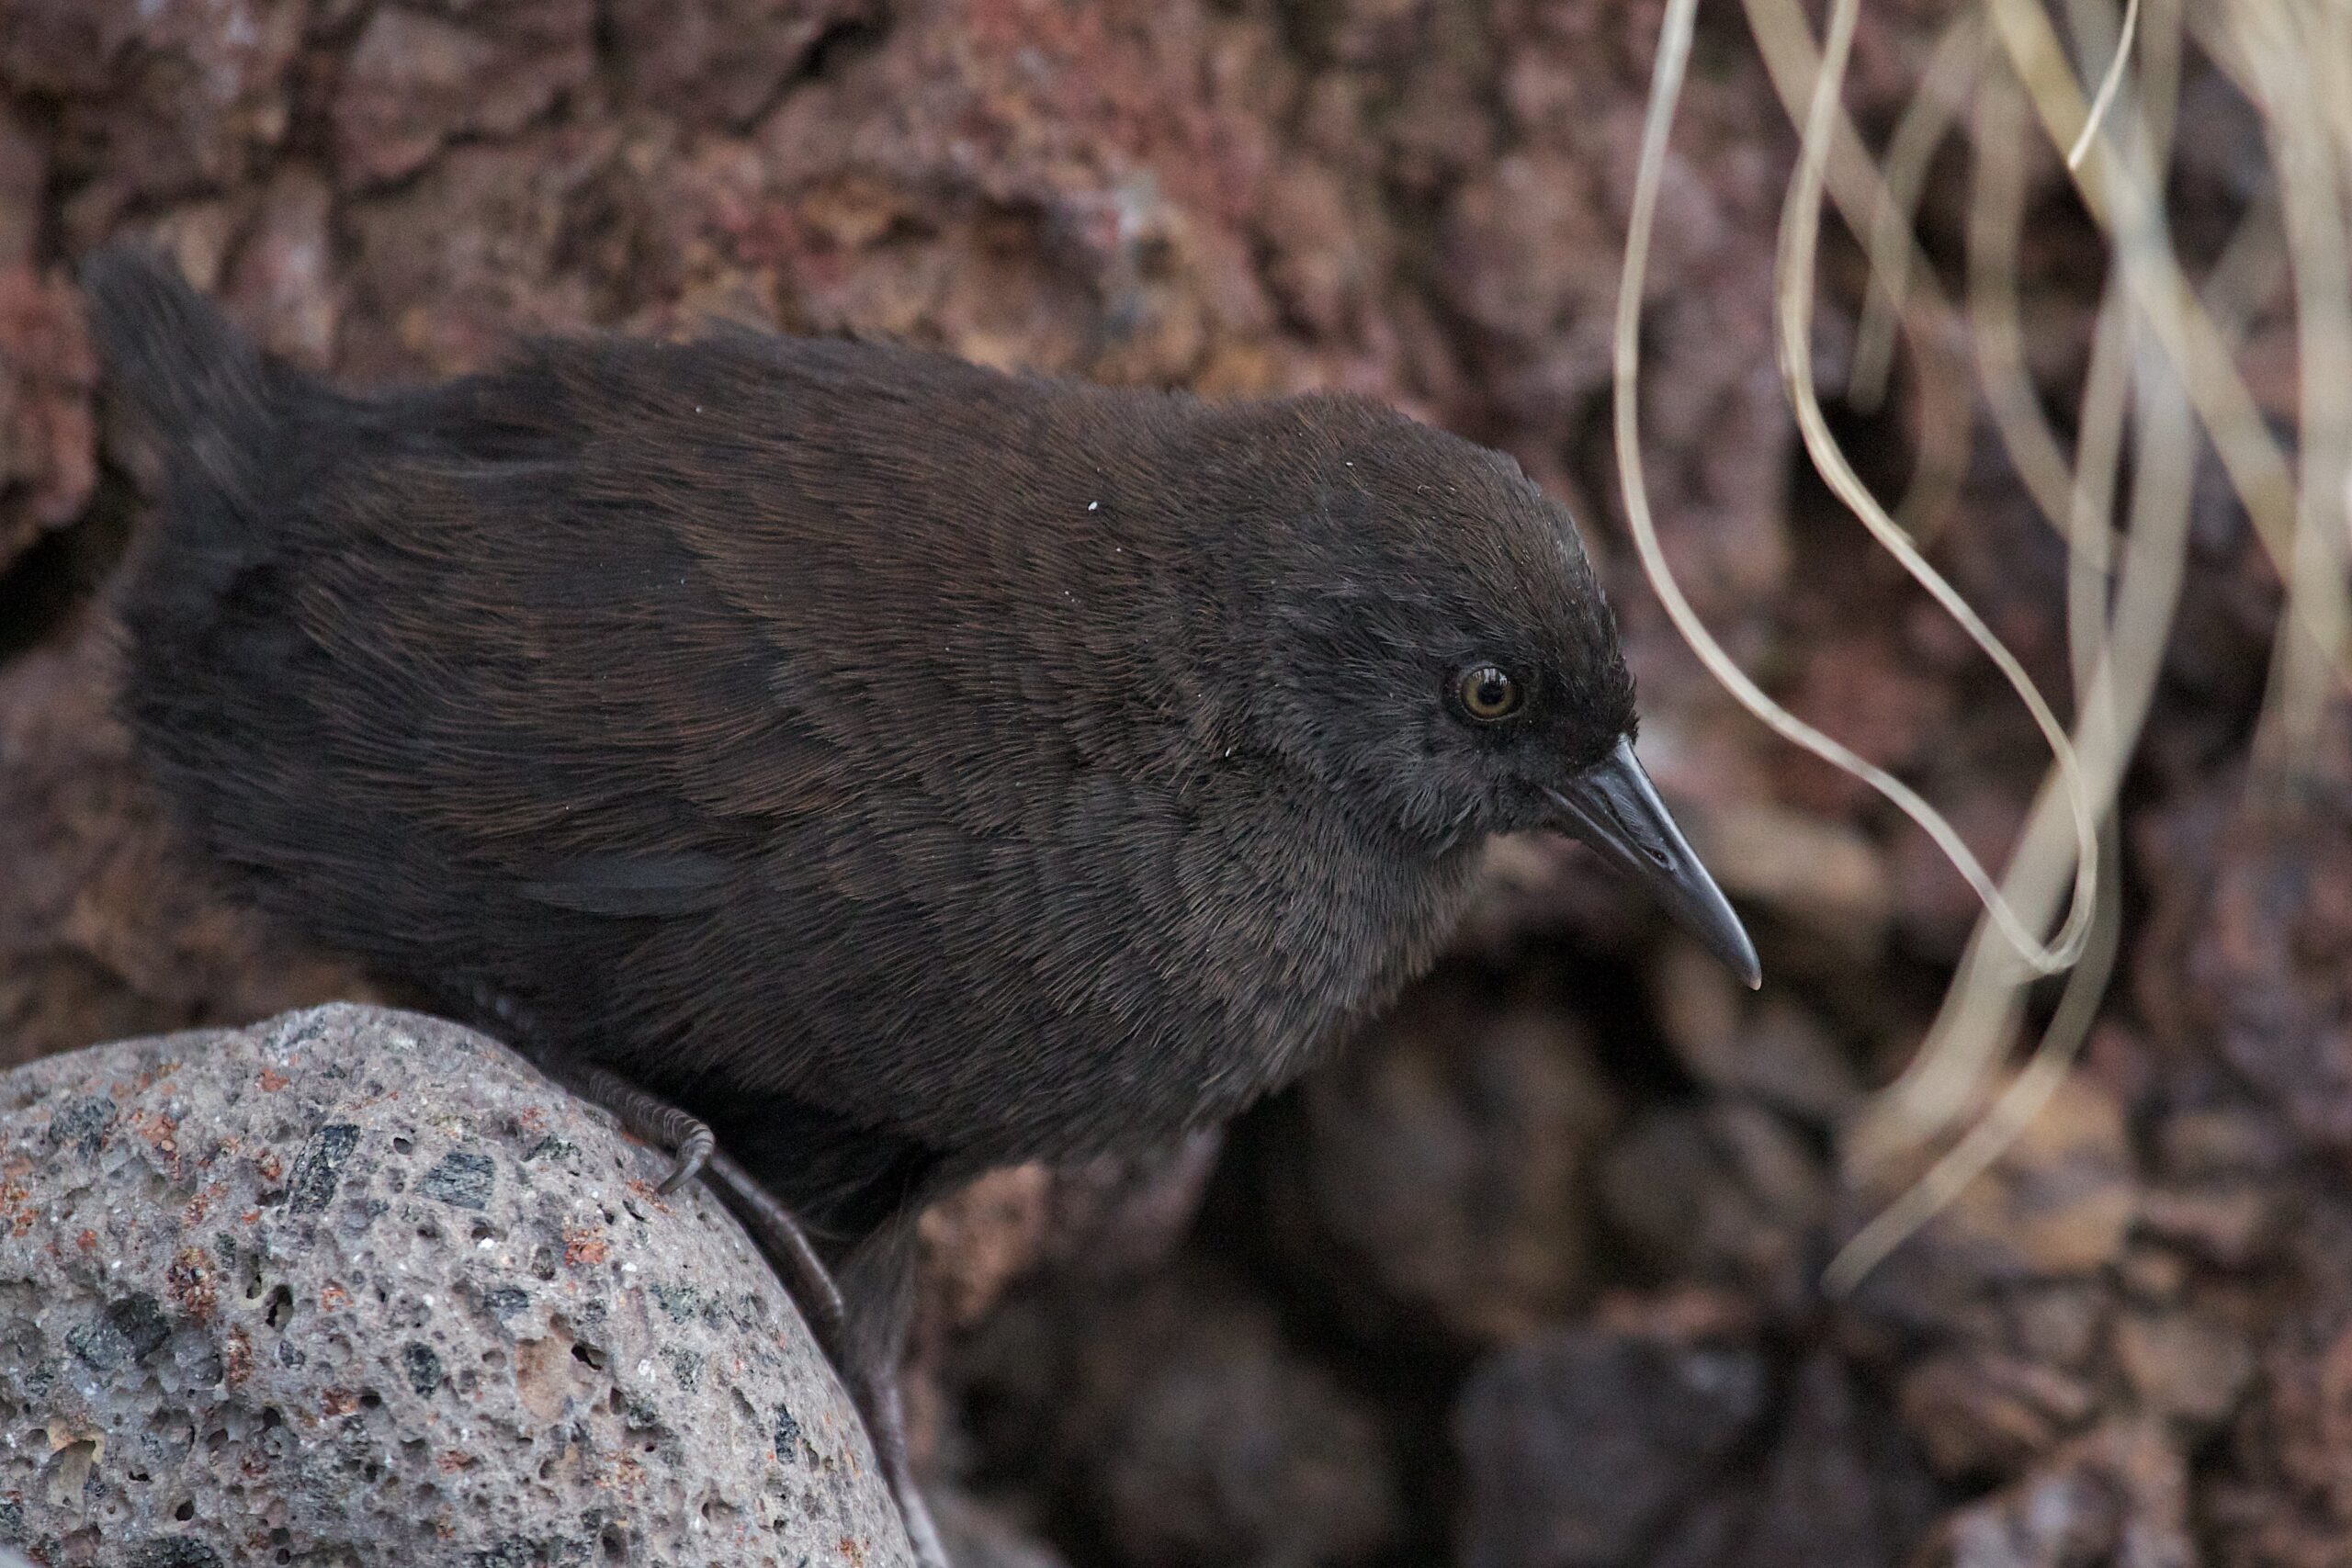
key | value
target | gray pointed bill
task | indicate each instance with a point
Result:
(1612, 808)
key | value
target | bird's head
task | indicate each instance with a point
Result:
(1429, 642)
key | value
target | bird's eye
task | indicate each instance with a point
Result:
(1487, 694)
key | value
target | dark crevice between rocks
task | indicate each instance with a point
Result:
(44, 587)
(837, 43)
(1411, 1377)
(833, 50)
(1824, 538)
(42, 118)
(1412, 1371)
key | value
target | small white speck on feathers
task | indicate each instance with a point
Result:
(1094, 506)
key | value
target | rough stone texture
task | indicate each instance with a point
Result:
(2118, 1495)
(1838, 1487)
(358, 1287)
(1201, 1438)
(415, 81)
(721, 62)
(1107, 1220)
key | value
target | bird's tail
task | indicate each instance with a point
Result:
(214, 409)
(201, 387)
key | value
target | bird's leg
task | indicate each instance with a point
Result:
(785, 1246)
(694, 1151)
(864, 1352)
(862, 1338)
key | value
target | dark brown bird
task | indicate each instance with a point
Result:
(905, 767)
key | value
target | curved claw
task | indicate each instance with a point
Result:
(692, 1153)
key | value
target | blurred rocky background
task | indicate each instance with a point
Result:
(1529, 1279)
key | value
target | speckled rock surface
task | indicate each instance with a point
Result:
(360, 1287)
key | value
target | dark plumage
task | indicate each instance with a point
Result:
(907, 767)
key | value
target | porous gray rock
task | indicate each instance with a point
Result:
(361, 1286)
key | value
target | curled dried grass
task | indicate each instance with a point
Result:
(2162, 371)
(1799, 232)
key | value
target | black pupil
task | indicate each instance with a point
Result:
(1491, 693)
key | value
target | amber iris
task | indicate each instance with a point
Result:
(1488, 693)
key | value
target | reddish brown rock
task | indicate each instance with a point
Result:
(978, 1536)
(1838, 1487)
(281, 284)
(2229, 1224)
(153, 98)
(978, 1241)
(2057, 1206)
(48, 441)
(2266, 962)
(1437, 1175)
(1995, 1320)
(1114, 1217)
(2280, 1495)
(1978, 1412)
(1102, 1221)
(2119, 1497)
(2184, 1365)
(24, 171)
(721, 62)
(445, 273)
(1530, 260)
(1192, 1434)
(1724, 1192)
(1768, 1048)
(420, 78)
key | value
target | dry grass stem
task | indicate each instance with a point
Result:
(2107, 85)
(2162, 370)
(1926, 120)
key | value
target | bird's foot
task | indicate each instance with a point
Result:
(872, 1385)
(687, 1138)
